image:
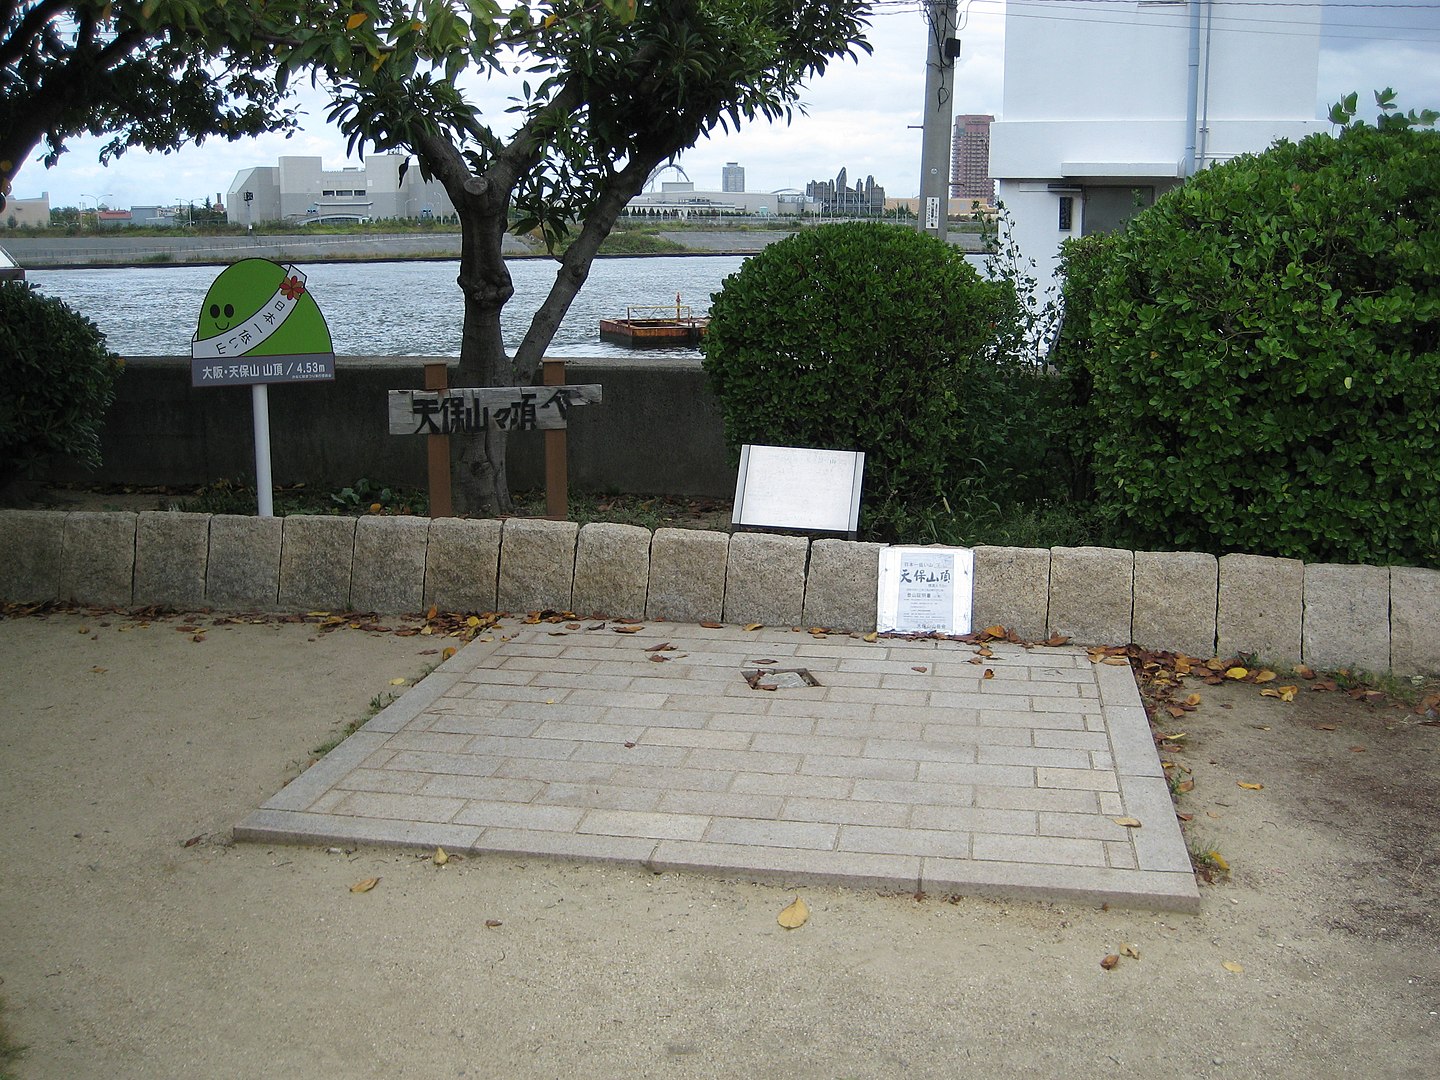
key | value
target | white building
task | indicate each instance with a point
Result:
(732, 177)
(1108, 105)
(679, 199)
(300, 189)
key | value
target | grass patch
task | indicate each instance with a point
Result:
(1208, 862)
(362, 497)
(639, 243)
(647, 511)
(976, 522)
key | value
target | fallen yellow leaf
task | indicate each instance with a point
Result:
(754, 626)
(1264, 676)
(1249, 787)
(472, 621)
(366, 885)
(872, 636)
(1128, 822)
(1132, 951)
(1217, 858)
(440, 858)
(1193, 699)
(1233, 967)
(448, 652)
(1237, 673)
(398, 682)
(1116, 661)
(795, 915)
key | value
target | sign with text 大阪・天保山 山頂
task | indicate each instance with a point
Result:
(259, 324)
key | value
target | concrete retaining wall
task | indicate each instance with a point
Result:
(1283, 611)
(163, 431)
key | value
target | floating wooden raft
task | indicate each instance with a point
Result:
(655, 326)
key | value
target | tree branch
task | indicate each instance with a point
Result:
(575, 263)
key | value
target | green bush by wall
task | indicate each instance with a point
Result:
(877, 338)
(56, 380)
(1266, 356)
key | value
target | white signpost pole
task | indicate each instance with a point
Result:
(260, 414)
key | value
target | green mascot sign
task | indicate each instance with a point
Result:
(260, 325)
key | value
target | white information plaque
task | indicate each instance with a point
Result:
(789, 487)
(924, 589)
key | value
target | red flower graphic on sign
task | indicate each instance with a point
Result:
(292, 287)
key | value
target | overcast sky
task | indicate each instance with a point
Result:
(859, 114)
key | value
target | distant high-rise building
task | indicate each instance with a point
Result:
(970, 159)
(732, 177)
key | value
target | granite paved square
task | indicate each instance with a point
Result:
(904, 768)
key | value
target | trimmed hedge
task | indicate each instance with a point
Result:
(1266, 356)
(877, 338)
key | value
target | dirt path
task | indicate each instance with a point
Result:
(126, 953)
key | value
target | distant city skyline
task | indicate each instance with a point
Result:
(860, 115)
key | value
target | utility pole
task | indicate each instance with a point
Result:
(944, 49)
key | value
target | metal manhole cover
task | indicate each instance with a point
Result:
(779, 678)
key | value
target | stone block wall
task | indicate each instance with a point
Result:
(1281, 610)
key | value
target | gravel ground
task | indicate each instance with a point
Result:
(139, 941)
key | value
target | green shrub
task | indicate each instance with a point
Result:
(57, 378)
(877, 338)
(1266, 356)
(1082, 262)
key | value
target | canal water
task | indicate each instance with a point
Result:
(389, 308)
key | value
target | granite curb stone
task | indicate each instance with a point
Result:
(1414, 617)
(1012, 589)
(171, 553)
(388, 573)
(1347, 617)
(33, 541)
(612, 570)
(687, 575)
(1091, 594)
(537, 564)
(765, 579)
(462, 564)
(1260, 607)
(316, 554)
(243, 570)
(840, 585)
(1175, 600)
(97, 561)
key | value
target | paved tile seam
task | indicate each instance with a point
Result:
(906, 768)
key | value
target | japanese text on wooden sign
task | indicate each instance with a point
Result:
(468, 411)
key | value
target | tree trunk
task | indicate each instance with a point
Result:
(481, 486)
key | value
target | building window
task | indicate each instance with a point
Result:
(331, 194)
(1067, 213)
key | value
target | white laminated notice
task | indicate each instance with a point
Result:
(925, 589)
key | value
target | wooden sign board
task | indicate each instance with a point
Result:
(925, 589)
(788, 487)
(468, 411)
